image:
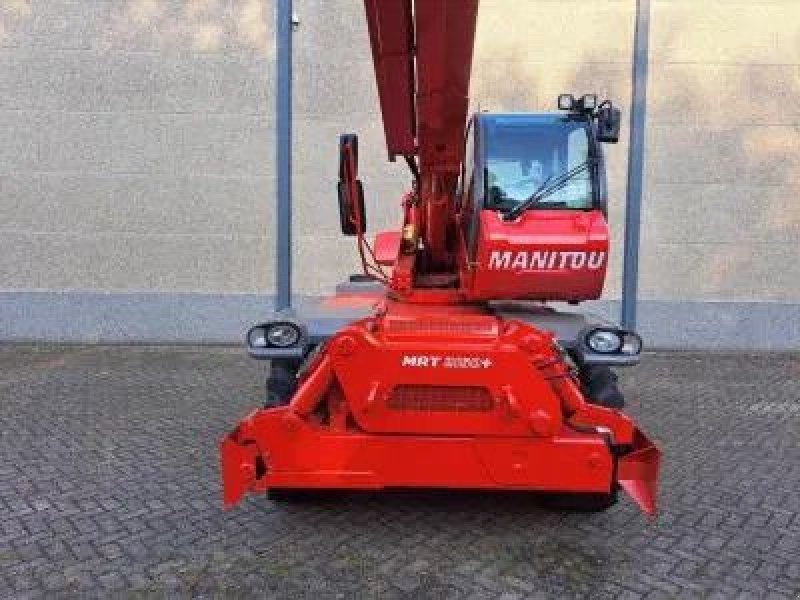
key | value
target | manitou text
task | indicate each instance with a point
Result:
(546, 260)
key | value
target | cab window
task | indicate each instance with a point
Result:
(523, 154)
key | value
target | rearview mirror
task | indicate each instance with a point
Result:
(350, 192)
(609, 120)
(352, 215)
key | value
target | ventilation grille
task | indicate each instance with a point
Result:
(436, 398)
(482, 327)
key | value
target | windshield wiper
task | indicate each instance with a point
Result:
(549, 187)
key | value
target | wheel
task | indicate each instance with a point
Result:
(579, 502)
(600, 387)
(281, 383)
(288, 495)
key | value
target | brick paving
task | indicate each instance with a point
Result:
(109, 487)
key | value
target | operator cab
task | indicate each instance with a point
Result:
(533, 203)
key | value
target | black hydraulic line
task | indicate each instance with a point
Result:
(413, 167)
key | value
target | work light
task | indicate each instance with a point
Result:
(257, 337)
(631, 344)
(604, 341)
(588, 102)
(283, 335)
(566, 102)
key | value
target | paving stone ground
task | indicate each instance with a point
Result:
(109, 487)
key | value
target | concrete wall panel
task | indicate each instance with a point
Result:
(725, 32)
(763, 155)
(728, 213)
(559, 33)
(137, 145)
(118, 261)
(143, 204)
(741, 272)
(720, 220)
(724, 95)
(20, 143)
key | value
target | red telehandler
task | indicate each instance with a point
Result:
(442, 365)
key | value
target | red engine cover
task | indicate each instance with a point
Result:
(544, 255)
(447, 373)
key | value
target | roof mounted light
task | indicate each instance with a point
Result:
(566, 102)
(587, 103)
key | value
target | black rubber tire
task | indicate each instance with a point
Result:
(600, 387)
(281, 383)
(579, 502)
(288, 495)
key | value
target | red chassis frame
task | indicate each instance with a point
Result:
(379, 408)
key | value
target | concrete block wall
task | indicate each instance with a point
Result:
(721, 222)
(137, 158)
(137, 149)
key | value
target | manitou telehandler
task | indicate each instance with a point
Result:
(442, 366)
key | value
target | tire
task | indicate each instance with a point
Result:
(579, 502)
(281, 383)
(288, 495)
(600, 387)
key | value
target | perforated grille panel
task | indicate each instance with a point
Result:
(433, 398)
(442, 326)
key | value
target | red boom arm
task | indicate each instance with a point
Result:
(423, 58)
